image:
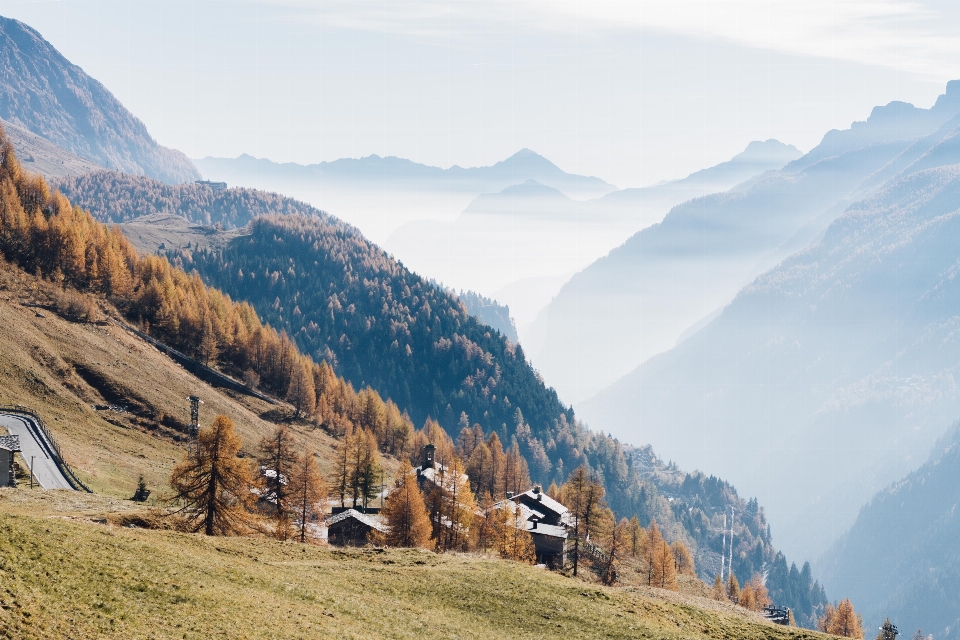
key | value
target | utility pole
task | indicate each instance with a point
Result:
(730, 562)
(31, 471)
(723, 550)
(194, 429)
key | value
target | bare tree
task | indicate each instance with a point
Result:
(279, 457)
(307, 491)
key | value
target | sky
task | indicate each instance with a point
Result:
(632, 92)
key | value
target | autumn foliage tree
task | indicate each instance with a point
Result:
(718, 592)
(841, 620)
(513, 541)
(754, 594)
(214, 484)
(405, 512)
(661, 564)
(617, 546)
(733, 588)
(583, 496)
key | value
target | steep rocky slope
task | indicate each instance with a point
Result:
(826, 378)
(639, 299)
(45, 93)
(900, 558)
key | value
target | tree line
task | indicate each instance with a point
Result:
(282, 493)
(42, 233)
(119, 197)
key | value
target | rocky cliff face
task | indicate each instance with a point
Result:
(45, 93)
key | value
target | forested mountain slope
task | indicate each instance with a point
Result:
(346, 302)
(45, 93)
(826, 378)
(639, 299)
(121, 197)
(900, 558)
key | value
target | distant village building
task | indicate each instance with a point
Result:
(216, 186)
(431, 473)
(546, 521)
(8, 446)
(351, 528)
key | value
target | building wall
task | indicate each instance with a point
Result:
(6, 468)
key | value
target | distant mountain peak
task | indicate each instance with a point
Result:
(527, 157)
(767, 150)
(949, 100)
(43, 92)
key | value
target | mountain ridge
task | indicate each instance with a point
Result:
(909, 571)
(789, 346)
(669, 276)
(406, 174)
(43, 92)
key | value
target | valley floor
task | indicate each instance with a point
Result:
(71, 569)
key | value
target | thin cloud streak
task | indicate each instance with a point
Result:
(907, 36)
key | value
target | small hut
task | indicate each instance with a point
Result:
(8, 446)
(351, 528)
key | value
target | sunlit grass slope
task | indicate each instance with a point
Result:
(61, 368)
(64, 575)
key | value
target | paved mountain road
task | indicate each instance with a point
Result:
(34, 443)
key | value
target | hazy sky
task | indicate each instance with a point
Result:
(634, 92)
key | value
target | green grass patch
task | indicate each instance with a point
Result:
(66, 576)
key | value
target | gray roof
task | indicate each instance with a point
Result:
(362, 517)
(544, 500)
(527, 513)
(10, 443)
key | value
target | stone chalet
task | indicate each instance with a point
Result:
(546, 521)
(351, 528)
(8, 446)
(543, 517)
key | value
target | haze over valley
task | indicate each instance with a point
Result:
(649, 319)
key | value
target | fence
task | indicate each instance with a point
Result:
(52, 443)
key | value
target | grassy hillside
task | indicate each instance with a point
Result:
(61, 368)
(66, 576)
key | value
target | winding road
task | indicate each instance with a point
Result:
(34, 443)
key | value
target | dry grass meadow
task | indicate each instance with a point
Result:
(68, 572)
